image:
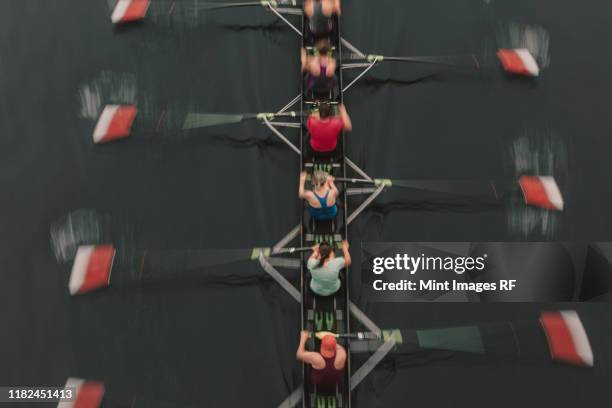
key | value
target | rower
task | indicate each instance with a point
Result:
(322, 199)
(319, 14)
(325, 268)
(327, 366)
(320, 63)
(325, 128)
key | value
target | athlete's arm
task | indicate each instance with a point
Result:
(346, 254)
(307, 195)
(304, 59)
(308, 8)
(331, 67)
(348, 125)
(302, 192)
(314, 66)
(337, 7)
(332, 186)
(340, 360)
(308, 357)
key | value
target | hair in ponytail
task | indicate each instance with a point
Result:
(325, 251)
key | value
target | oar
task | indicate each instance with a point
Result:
(289, 251)
(518, 61)
(202, 120)
(98, 266)
(262, 3)
(455, 187)
(557, 335)
(537, 191)
(459, 61)
(219, 6)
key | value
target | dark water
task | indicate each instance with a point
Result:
(194, 344)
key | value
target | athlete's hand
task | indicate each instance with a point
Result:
(303, 175)
(345, 244)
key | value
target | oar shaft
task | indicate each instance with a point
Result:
(351, 336)
(460, 61)
(354, 180)
(285, 251)
(470, 62)
(219, 6)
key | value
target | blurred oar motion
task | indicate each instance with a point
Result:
(559, 336)
(131, 11)
(537, 191)
(514, 61)
(202, 120)
(128, 11)
(99, 266)
(117, 121)
(87, 393)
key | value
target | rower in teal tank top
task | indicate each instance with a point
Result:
(326, 212)
(322, 199)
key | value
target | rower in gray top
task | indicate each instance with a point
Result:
(325, 268)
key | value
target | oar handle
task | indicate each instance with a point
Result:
(271, 116)
(285, 251)
(361, 336)
(350, 336)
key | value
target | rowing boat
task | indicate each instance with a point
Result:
(329, 313)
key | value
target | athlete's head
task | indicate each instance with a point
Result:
(325, 110)
(328, 346)
(325, 251)
(319, 178)
(323, 47)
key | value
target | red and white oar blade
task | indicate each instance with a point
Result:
(567, 339)
(518, 61)
(542, 192)
(115, 122)
(91, 269)
(86, 394)
(126, 11)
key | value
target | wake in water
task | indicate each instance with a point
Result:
(108, 88)
(532, 37)
(539, 152)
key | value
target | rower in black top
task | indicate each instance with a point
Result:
(320, 16)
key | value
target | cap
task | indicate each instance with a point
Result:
(328, 346)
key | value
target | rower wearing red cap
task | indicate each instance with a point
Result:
(327, 366)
